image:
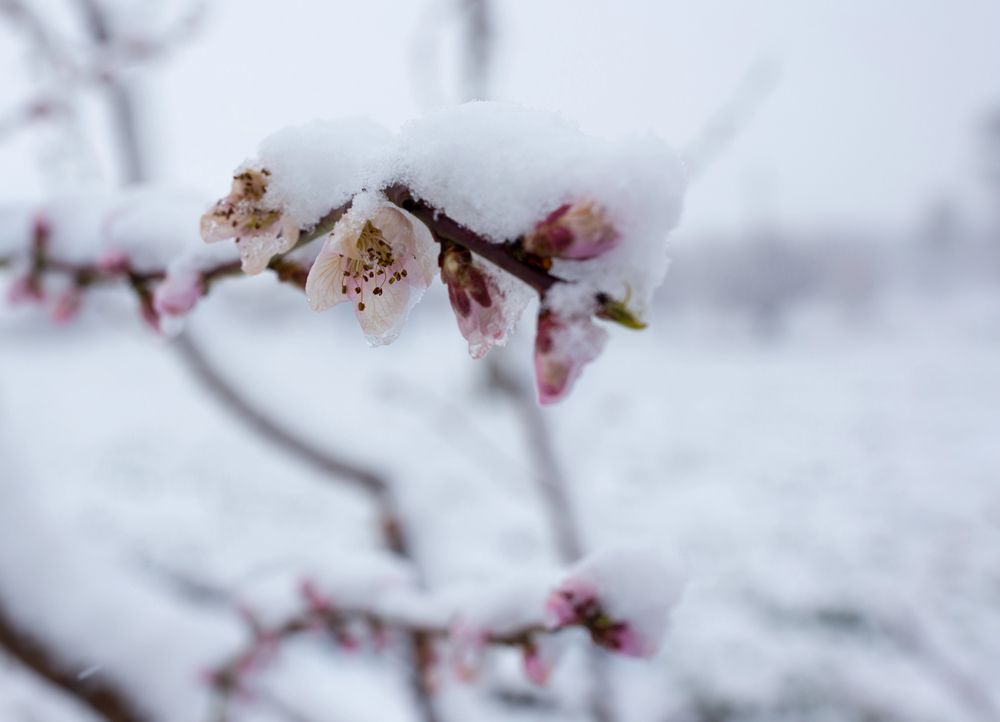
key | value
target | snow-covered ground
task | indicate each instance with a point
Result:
(834, 492)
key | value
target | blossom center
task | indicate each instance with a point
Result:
(374, 267)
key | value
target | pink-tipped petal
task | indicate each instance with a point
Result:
(486, 313)
(624, 639)
(535, 667)
(562, 348)
(261, 228)
(579, 231)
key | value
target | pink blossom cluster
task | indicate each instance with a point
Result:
(501, 203)
(379, 258)
(621, 595)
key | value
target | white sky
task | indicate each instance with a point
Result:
(874, 118)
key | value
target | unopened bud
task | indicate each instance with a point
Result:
(579, 231)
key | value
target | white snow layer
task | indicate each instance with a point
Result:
(498, 169)
(319, 166)
(154, 226)
(634, 584)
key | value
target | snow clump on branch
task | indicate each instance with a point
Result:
(300, 175)
(622, 594)
(518, 200)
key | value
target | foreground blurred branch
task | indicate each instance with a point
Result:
(106, 700)
(552, 487)
(202, 369)
(392, 527)
(549, 476)
(121, 100)
(718, 134)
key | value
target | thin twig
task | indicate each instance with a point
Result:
(478, 49)
(552, 487)
(905, 631)
(202, 369)
(718, 134)
(121, 101)
(392, 527)
(445, 228)
(550, 478)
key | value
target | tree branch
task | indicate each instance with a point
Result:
(103, 698)
(392, 528)
(445, 228)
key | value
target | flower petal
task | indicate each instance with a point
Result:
(383, 315)
(325, 284)
(562, 348)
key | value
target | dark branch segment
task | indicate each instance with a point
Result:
(96, 692)
(446, 229)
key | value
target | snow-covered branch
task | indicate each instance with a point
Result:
(502, 202)
(621, 597)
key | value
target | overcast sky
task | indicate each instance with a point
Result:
(874, 116)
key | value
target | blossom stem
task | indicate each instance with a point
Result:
(226, 678)
(323, 227)
(445, 228)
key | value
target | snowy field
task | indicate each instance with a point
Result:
(810, 426)
(833, 492)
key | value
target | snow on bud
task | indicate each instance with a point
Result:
(260, 228)
(563, 346)
(500, 612)
(380, 259)
(578, 231)
(114, 263)
(178, 292)
(623, 595)
(485, 311)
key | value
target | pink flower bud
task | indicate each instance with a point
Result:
(622, 595)
(571, 603)
(317, 601)
(346, 640)
(67, 306)
(562, 348)
(114, 263)
(149, 314)
(178, 293)
(41, 230)
(536, 668)
(577, 231)
(484, 312)
(623, 638)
